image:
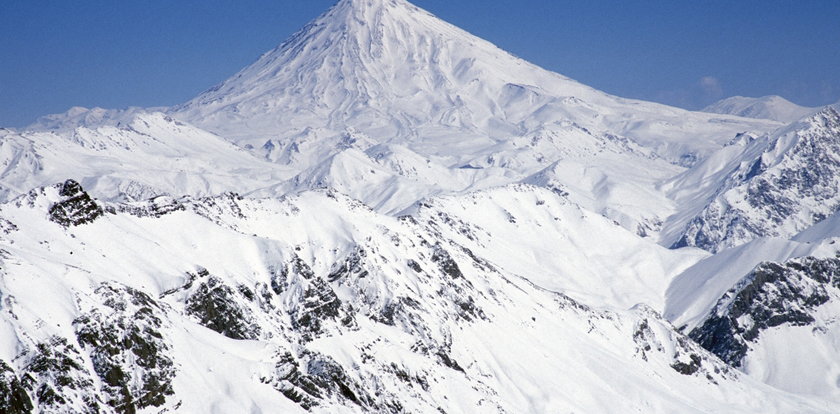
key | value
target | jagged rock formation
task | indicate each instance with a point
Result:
(57, 378)
(123, 335)
(216, 306)
(13, 396)
(75, 208)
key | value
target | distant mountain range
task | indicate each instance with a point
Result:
(768, 107)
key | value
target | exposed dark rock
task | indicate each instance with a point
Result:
(771, 295)
(282, 276)
(690, 368)
(247, 292)
(479, 262)
(319, 304)
(7, 227)
(58, 381)
(156, 207)
(413, 265)
(393, 310)
(352, 266)
(13, 397)
(127, 348)
(75, 208)
(468, 310)
(217, 207)
(406, 377)
(645, 339)
(445, 262)
(447, 360)
(762, 200)
(220, 308)
(289, 380)
(330, 377)
(321, 381)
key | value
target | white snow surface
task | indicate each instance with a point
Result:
(771, 107)
(129, 156)
(387, 103)
(775, 185)
(522, 348)
(369, 73)
(397, 73)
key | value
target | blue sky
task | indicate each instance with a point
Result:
(118, 53)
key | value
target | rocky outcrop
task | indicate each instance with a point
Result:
(772, 295)
(76, 207)
(13, 396)
(445, 262)
(58, 380)
(314, 380)
(791, 185)
(125, 339)
(319, 305)
(219, 307)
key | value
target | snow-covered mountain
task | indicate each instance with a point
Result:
(128, 155)
(389, 73)
(387, 214)
(768, 308)
(389, 104)
(317, 303)
(767, 107)
(399, 74)
(776, 185)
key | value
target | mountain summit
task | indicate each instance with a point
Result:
(396, 73)
(383, 66)
(767, 107)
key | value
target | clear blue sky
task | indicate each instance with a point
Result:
(55, 54)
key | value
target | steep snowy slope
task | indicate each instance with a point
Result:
(394, 74)
(386, 103)
(779, 325)
(777, 185)
(767, 107)
(128, 155)
(316, 303)
(769, 308)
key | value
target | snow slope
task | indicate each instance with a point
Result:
(385, 72)
(777, 186)
(318, 303)
(769, 308)
(767, 107)
(397, 73)
(128, 155)
(385, 102)
(778, 325)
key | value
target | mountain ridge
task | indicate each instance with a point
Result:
(772, 107)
